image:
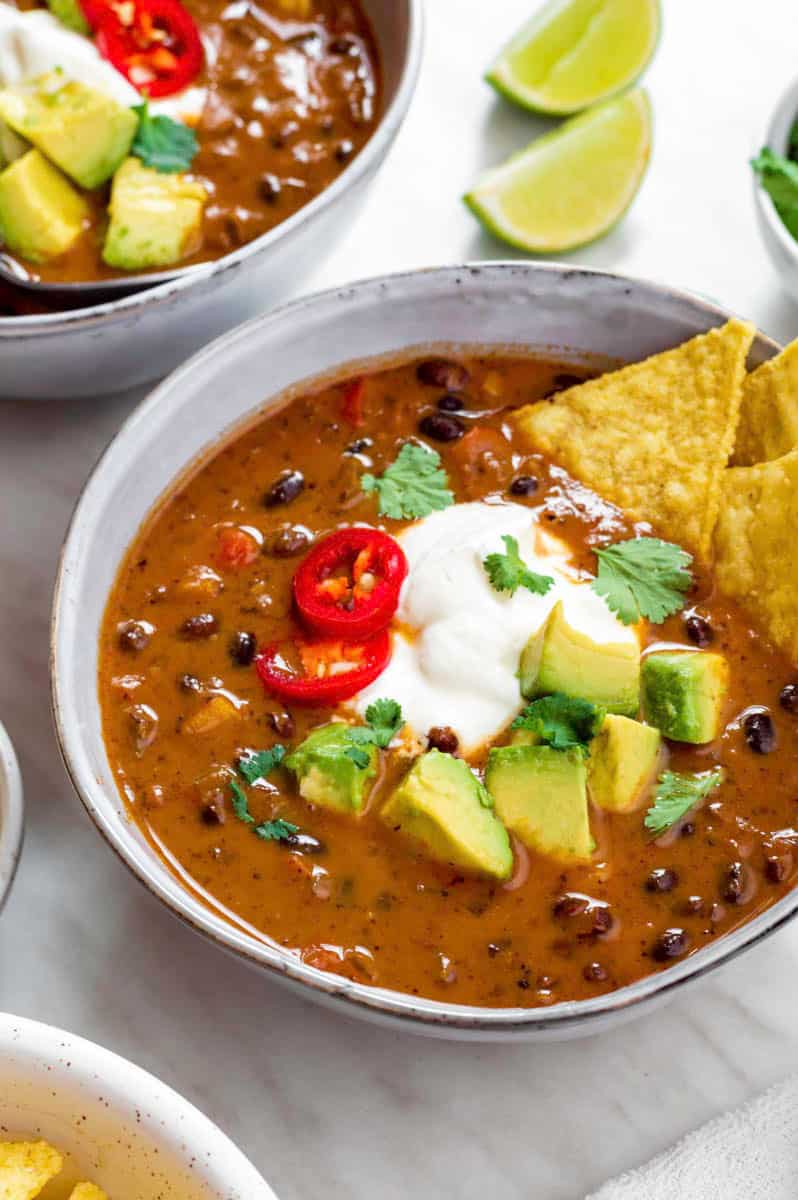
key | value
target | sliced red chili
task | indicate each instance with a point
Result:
(155, 44)
(334, 671)
(348, 586)
(352, 402)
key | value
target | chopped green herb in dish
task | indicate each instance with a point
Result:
(561, 721)
(508, 572)
(414, 486)
(258, 764)
(166, 145)
(643, 577)
(276, 831)
(779, 177)
(676, 794)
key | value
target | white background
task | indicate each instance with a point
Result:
(325, 1106)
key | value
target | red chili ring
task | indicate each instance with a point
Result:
(328, 590)
(173, 59)
(285, 684)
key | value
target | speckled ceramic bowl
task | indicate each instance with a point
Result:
(566, 311)
(11, 814)
(125, 1130)
(780, 244)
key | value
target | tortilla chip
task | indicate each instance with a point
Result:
(655, 437)
(769, 415)
(26, 1168)
(88, 1191)
(756, 550)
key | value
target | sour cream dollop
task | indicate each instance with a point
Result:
(33, 43)
(457, 642)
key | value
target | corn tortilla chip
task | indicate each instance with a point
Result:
(655, 437)
(25, 1168)
(769, 415)
(756, 549)
(88, 1191)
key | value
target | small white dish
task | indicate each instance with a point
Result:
(12, 810)
(121, 1128)
(780, 245)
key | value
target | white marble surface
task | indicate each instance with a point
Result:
(326, 1106)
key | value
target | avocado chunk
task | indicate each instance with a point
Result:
(156, 219)
(606, 673)
(625, 758)
(442, 804)
(84, 132)
(684, 692)
(541, 795)
(329, 776)
(69, 13)
(12, 146)
(529, 667)
(41, 214)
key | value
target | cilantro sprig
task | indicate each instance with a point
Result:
(166, 145)
(415, 485)
(643, 577)
(779, 177)
(508, 572)
(255, 765)
(676, 794)
(383, 720)
(259, 763)
(277, 830)
(562, 722)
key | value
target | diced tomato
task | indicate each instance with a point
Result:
(235, 548)
(352, 402)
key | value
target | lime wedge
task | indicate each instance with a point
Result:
(570, 186)
(576, 52)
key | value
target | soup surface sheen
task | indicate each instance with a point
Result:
(368, 903)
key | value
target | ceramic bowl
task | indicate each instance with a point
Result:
(568, 312)
(780, 245)
(11, 814)
(114, 346)
(125, 1130)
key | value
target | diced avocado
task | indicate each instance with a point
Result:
(684, 692)
(441, 803)
(83, 131)
(529, 667)
(69, 13)
(625, 758)
(156, 219)
(12, 146)
(41, 214)
(327, 774)
(606, 673)
(541, 795)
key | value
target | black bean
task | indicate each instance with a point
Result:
(570, 906)
(662, 879)
(443, 738)
(737, 883)
(778, 867)
(344, 45)
(441, 427)
(212, 813)
(699, 630)
(344, 150)
(688, 829)
(671, 944)
(760, 734)
(204, 625)
(242, 648)
(303, 843)
(190, 683)
(594, 972)
(282, 724)
(788, 698)
(270, 187)
(524, 485)
(134, 636)
(359, 445)
(602, 921)
(450, 403)
(440, 373)
(285, 489)
(693, 905)
(288, 541)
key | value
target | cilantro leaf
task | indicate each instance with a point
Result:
(276, 831)
(258, 764)
(561, 721)
(168, 146)
(508, 572)
(413, 486)
(359, 757)
(779, 177)
(675, 795)
(240, 803)
(385, 718)
(643, 577)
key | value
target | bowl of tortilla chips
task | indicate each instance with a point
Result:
(79, 1123)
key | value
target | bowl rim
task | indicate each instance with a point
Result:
(364, 164)
(127, 1086)
(417, 1014)
(774, 138)
(12, 814)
